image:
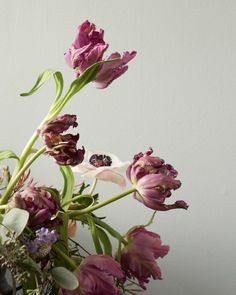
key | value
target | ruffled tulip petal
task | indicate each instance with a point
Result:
(114, 69)
(139, 255)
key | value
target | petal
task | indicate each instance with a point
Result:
(109, 175)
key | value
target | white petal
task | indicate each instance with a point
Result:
(109, 175)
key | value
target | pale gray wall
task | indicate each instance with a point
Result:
(178, 97)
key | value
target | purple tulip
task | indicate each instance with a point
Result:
(40, 204)
(96, 276)
(138, 257)
(154, 181)
(88, 48)
(62, 147)
(114, 69)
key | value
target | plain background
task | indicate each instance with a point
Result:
(178, 97)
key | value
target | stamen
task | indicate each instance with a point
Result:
(100, 160)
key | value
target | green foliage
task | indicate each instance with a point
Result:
(107, 246)
(68, 188)
(8, 154)
(45, 76)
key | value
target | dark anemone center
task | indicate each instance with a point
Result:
(100, 160)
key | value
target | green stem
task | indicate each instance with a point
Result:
(68, 260)
(5, 197)
(93, 186)
(3, 207)
(101, 204)
(76, 199)
(110, 230)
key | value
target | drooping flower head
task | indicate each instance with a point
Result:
(103, 166)
(40, 204)
(88, 48)
(154, 181)
(96, 276)
(138, 257)
(62, 147)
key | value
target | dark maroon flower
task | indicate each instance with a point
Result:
(62, 147)
(96, 275)
(138, 257)
(154, 181)
(40, 204)
(88, 48)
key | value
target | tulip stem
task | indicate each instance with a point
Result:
(65, 257)
(101, 204)
(5, 197)
(93, 186)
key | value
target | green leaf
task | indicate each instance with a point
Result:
(94, 233)
(43, 77)
(68, 188)
(8, 154)
(30, 265)
(64, 278)
(15, 220)
(105, 241)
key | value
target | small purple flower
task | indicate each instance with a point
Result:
(40, 204)
(88, 48)
(96, 275)
(62, 147)
(41, 245)
(138, 257)
(154, 181)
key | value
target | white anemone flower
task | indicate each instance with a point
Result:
(102, 166)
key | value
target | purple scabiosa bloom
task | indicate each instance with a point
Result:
(88, 48)
(154, 181)
(42, 244)
(62, 147)
(138, 257)
(96, 276)
(40, 204)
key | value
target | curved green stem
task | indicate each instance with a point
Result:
(110, 230)
(93, 186)
(101, 204)
(15, 179)
(66, 258)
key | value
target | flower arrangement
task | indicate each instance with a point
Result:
(38, 244)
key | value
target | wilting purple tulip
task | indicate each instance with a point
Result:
(154, 181)
(62, 147)
(88, 48)
(40, 204)
(114, 69)
(139, 255)
(96, 276)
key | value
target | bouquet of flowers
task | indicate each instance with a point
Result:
(38, 244)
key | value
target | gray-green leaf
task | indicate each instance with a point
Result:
(15, 220)
(64, 278)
